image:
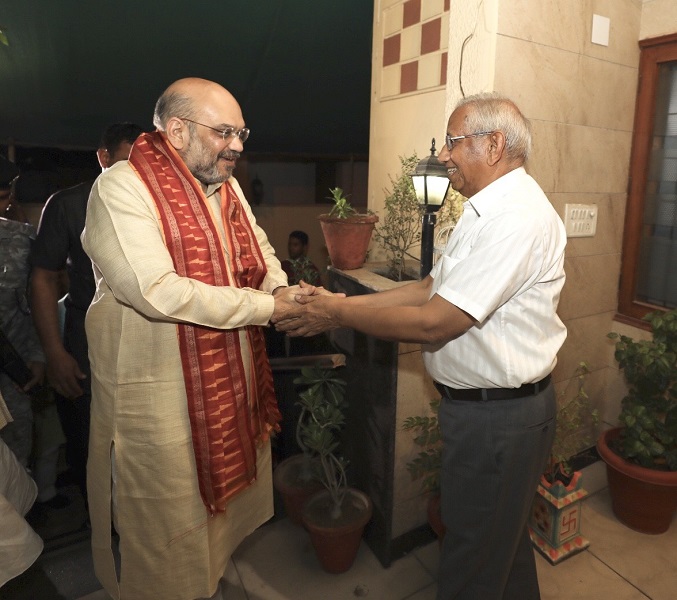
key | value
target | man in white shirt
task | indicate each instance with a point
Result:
(486, 316)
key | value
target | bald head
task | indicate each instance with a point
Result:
(187, 98)
(204, 123)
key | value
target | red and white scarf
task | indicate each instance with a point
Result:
(227, 420)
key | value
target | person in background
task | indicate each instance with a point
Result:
(58, 247)
(298, 266)
(20, 545)
(182, 395)
(486, 318)
(15, 319)
(9, 208)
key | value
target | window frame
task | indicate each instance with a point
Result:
(654, 51)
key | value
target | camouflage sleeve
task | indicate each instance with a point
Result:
(15, 317)
(22, 335)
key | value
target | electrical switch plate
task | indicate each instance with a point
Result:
(580, 220)
(600, 30)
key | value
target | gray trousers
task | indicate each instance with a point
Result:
(493, 455)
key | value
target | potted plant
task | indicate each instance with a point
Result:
(346, 232)
(555, 518)
(575, 421)
(296, 478)
(400, 229)
(641, 454)
(336, 516)
(426, 466)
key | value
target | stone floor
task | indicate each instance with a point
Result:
(277, 563)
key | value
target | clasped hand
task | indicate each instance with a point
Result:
(305, 310)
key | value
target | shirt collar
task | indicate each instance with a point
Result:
(211, 188)
(488, 199)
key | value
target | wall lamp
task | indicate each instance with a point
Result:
(431, 184)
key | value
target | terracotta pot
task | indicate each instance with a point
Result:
(347, 239)
(643, 499)
(434, 513)
(336, 542)
(290, 480)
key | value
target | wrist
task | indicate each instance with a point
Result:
(55, 351)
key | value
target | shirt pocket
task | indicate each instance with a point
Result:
(443, 270)
(448, 264)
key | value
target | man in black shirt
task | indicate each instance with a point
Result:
(56, 248)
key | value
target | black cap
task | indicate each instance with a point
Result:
(8, 173)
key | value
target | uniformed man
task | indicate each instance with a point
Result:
(15, 318)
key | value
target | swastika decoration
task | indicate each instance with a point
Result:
(555, 522)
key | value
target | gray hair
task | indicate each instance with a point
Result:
(173, 104)
(493, 112)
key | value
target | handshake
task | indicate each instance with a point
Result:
(305, 310)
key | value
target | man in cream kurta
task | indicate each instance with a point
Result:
(142, 465)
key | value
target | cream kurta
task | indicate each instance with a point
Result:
(170, 547)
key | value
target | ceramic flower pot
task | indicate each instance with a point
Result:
(434, 514)
(347, 239)
(336, 541)
(643, 499)
(291, 479)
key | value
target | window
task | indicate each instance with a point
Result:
(649, 270)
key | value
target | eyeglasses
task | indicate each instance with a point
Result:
(449, 140)
(226, 133)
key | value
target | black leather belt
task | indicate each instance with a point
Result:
(479, 395)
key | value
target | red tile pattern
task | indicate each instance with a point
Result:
(409, 77)
(430, 36)
(412, 13)
(405, 79)
(391, 50)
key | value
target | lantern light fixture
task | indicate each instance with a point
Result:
(431, 184)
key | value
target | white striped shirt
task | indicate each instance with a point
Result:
(503, 265)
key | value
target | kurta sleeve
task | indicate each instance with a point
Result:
(123, 238)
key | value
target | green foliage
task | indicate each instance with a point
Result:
(342, 209)
(426, 466)
(575, 419)
(322, 404)
(400, 229)
(649, 411)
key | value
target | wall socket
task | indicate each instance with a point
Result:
(580, 220)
